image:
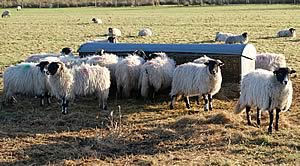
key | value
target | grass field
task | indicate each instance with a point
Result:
(145, 133)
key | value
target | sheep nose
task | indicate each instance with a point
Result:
(47, 72)
(285, 82)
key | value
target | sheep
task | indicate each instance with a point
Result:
(106, 60)
(156, 74)
(114, 32)
(269, 61)
(268, 91)
(110, 39)
(37, 57)
(221, 36)
(19, 8)
(192, 79)
(243, 39)
(27, 79)
(97, 20)
(6, 13)
(81, 80)
(202, 59)
(287, 33)
(145, 32)
(127, 73)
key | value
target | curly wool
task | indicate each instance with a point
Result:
(269, 61)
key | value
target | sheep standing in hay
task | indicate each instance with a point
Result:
(114, 32)
(19, 8)
(221, 36)
(156, 74)
(268, 91)
(242, 39)
(287, 33)
(145, 32)
(6, 13)
(192, 79)
(81, 80)
(96, 20)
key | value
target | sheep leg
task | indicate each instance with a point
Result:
(205, 102)
(210, 101)
(152, 93)
(42, 101)
(248, 110)
(65, 104)
(173, 99)
(187, 102)
(271, 114)
(48, 97)
(258, 116)
(277, 119)
(198, 100)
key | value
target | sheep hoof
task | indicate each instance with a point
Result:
(171, 107)
(269, 131)
(249, 124)
(205, 109)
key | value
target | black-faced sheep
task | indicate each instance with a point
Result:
(6, 13)
(221, 36)
(287, 33)
(242, 39)
(268, 91)
(114, 32)
(145, 32)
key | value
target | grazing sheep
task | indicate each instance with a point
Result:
(221, 36)
(97, 20)
(145, 32)
(269, 61)
(243, 39)
(6, 13)
(81, 80)
(37, 57)
(114, 32)
(268, 91)
(127, 74)
(27, 79)
(19, 8)
(192, 79)
(110, 39)
(287, 33)
(156, 74)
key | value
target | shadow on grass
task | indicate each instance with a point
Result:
(205, 41)
(268, 37)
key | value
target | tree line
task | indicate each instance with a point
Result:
(117, 3)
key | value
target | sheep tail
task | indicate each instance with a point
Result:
(239, 108)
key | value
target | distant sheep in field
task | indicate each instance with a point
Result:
(6, 13)
(269, 61)
(268, 91)
(221, 36)
(110, 39)
(145, 32)
(19, 8)
(287, 33)
(114, 32)
(97, 20)
(27, 79)
(156, 74)
(192, 79)
(81, 80)
(242, 39)
(128, 73)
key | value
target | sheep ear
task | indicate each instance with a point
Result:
(206, 63)
(275, 72)
(221, 64)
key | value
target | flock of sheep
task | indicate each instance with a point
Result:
(65, 77)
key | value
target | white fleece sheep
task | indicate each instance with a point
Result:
(269, 61)
(19, 8)
(97, 20)
(27, 79)
(287, 33)
(35, 58)
(114, 32)
(127, 74)
(266, 90)
(81, 80)
(156, 75)
(221, 36)
(6, 13)
(106, 60)
(242, 39)
(192, 79)
(145, 32)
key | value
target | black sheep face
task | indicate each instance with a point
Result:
(110, 30)
(43, 65)
(245, 35)
(112, 39)
(66, 50)
(213, 66)
(283, 75)
(53, 68)
(292, 30)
